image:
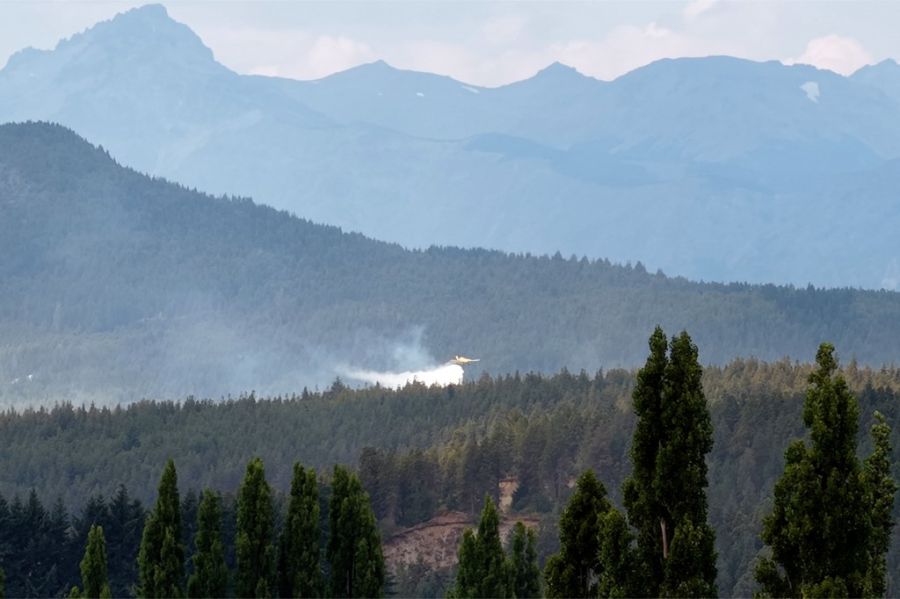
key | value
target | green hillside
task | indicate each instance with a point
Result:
(118, 286)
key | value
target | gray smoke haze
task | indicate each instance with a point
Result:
(206, 355)
(408, 361)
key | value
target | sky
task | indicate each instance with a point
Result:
(487, 42)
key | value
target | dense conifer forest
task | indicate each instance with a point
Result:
(122, 287)
(418, 451)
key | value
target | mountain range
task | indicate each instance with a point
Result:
(710, 168)
(118, 286)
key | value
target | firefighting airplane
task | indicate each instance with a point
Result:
(462, 360)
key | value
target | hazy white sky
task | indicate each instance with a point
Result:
(490, 42)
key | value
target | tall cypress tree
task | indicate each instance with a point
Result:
(483, 568)
(299, 561)
(161, 557)
(94, 576)
(523, 560)
(880, 490)
(354, 546)
(210, 577)
(666, 494)
(574, 571)
(254, 545)
(468, 571)
(495, 580)
(641, 502)
(618, 557)
(827, 525)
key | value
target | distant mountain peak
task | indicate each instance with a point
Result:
(888, 65)
(146, 29)
(147, 12)
(884, 76)
(557, 69)
(378, 67)
(381, 72)
(380, 64)
(557, 73)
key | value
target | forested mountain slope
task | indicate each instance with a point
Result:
(422, 451)
(712, 168)
(118, 286)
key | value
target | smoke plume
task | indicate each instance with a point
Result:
(443, 375)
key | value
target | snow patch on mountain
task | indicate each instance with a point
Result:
(812, 90)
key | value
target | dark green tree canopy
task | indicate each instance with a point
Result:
(210, 576)
(524, 563)
(299, 560)
(666, 494)
(880, 488)
(574, 572)
(830, 517)
(94, 577)
(618, 556)
(161, 557)
(254, 545)
(354, 544)
(483, 569)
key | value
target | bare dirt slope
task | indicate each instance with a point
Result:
(435, 543)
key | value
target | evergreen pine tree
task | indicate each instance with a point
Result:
(93, 567)
(254, 546)
(299, 562)
(210, 577)
(666, 493)
(880, 490)
(618, 557)
(468, 570)
(819, 529)
(55, 542)
(190, 505)
(161, 557)
(574, 571)
(123, 529)
(483, 568)
(354, 546)
(641, 501)
(495, 580)
(2, 584)
(523, 558)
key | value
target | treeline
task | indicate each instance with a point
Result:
(323, 545)
(461, 441)
(41, 548)
(214, 295)
(827, 534)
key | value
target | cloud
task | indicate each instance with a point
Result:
(290, 52)
(621, 50)
(258, 51)
(626, 48)
(842, 55)
(696, 8)
(504, 29)
(329, 54)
